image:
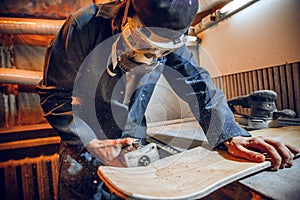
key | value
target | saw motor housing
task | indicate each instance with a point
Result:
(142, 156)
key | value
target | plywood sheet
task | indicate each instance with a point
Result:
(192, 174)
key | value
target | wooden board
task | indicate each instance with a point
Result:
(189, 175)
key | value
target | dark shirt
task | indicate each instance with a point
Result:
(83, 101)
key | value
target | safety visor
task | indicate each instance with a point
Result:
(143, 39)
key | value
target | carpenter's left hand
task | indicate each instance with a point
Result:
(255, 149)
(111, 152)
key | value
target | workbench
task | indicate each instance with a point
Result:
(282, 184)
(267, 184)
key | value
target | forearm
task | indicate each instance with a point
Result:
(217, 120)
(208, 104)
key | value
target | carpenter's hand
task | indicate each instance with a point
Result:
(255, 149)
(110, 152)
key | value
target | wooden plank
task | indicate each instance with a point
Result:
(235, 85)
(243, 84)
(271, 78)
(250, 82)
(266, 79)
(231, 86)
(239, 84)
(283, 86)
(277, 87)
(219, 82)
(241, 81)
(290, 88)
(259, 79)
(238, 88)
(222, 85)
(296, 78)
(228, 86)
(216, 82)
(181, 176)
(247, 87)
(254, 81)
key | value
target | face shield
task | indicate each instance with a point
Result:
(145, 44)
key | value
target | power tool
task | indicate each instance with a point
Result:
(263, 110)
(142, 156)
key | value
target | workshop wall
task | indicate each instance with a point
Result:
(262, 35)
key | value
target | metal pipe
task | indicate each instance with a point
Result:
(205, 5)
(207, 21)
(29, 26)
(19, 76)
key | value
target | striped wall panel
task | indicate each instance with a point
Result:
(30, 178)
(283, 79)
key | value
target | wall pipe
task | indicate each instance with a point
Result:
(208, 22)
(19, 76)
(29, 26)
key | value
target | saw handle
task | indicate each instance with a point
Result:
(284, 113)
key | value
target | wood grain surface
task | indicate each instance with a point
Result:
(191, 174)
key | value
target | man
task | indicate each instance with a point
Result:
(94, 72)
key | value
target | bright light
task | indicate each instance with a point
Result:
(234, 5)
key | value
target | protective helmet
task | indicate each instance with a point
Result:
(171, 14)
